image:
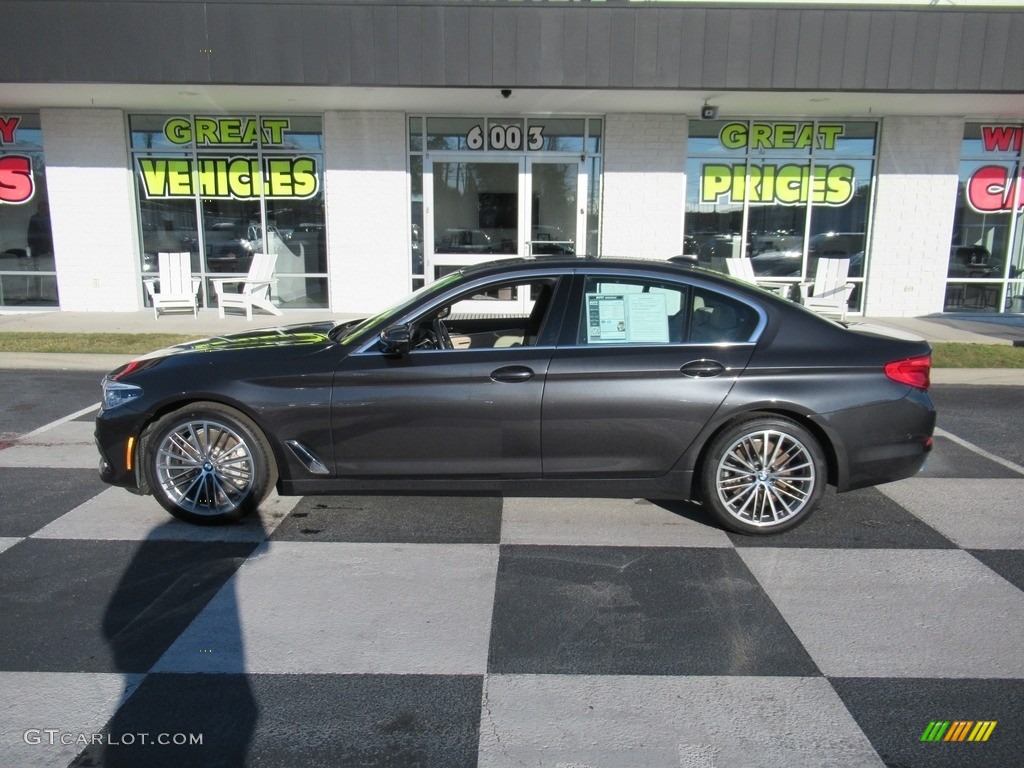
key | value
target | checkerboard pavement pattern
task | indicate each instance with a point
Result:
(501, 632)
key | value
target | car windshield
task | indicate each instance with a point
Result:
(346, 332)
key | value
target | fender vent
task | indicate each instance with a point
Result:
(308, 459)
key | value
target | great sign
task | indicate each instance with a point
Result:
(783, 183)
(241, 177)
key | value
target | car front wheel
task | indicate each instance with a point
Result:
(208, 464)
(763, 475)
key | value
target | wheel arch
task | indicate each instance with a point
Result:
(169, 406)
(825, 440)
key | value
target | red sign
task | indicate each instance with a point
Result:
(993, 188)
(16, 183)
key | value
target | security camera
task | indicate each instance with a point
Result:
(506, 92)
(707, 112)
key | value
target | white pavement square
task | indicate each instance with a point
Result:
(118, 515)
(975, 514)
(653, 722)
(74, 706)
(896, 613)
(602, 522)
(66, 446)
(319, 608)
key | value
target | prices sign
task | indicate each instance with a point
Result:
(793, 182)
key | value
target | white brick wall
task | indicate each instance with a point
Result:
(915, 200)
(368, 220)
(92, 208)
(644, 184)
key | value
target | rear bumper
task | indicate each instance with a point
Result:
(883, 442)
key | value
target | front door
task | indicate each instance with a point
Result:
(478, 210)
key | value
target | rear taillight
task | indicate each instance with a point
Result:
(914, 371)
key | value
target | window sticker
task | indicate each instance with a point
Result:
(627, 317)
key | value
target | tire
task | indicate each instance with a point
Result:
(763, 475)
(208, 464)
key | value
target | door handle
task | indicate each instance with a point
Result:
(512, 373)
(702, 369)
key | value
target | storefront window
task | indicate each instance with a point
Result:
(783, 194)
(986, 255)
(27, 272)
(225, 188)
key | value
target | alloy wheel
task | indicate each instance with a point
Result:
(765, 478)
(205, 467)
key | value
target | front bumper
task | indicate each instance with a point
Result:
(117, 441)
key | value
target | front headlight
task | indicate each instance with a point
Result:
(116, 394)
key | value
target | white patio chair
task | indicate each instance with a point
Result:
(829, 294)
(743, 269)
(177, 288)
(252, 291)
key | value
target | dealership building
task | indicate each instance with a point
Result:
(375, 146)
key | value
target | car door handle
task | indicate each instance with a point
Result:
(702, 369)
(512, 373)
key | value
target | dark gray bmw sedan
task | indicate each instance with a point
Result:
(547, 377)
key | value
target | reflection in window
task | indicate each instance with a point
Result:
(28, 275)
(235, 186)
(780, 193)
(986, 255)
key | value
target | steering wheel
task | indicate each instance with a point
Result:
(441, 335)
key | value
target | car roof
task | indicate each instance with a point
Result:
(567, 263)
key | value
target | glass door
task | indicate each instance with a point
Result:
(557, 221)
(478, 210)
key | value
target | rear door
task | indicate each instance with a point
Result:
(647, 363)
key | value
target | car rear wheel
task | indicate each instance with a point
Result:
(208, 464)
(763, 475)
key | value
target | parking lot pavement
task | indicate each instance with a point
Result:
(483, 631)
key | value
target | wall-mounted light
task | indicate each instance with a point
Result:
(708, 112)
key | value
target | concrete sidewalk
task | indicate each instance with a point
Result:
(971, 329)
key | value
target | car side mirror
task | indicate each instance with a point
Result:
(396, 340)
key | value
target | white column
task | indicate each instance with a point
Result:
(92, 209)
(642, 199)
(915, 202)
(368, 218)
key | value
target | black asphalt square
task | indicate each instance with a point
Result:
(394, 519)
(861, 519)
(636, 611)
(33, 498)
(1008, 563)
(111, 606)
(296, 720)
(950, 459)
(912, 704)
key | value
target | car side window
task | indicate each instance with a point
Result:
(521, 308)
(717, 319)
(622, 311)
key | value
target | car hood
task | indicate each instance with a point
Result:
(305, 335)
